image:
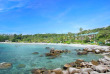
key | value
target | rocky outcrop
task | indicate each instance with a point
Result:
(101, 68)
(55, 53)
(82, 52)
(5, 65)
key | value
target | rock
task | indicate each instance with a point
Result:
(52, 57)
(40, 71)
(89, 49)
(47, 47)
(95, 62)
(73, 70)
(93, 72)
(58, 71)
(21, 66)
(35, 53)
(5, 65)
(97, 51)
(79, 61)
(50, 54)
(88, 70)
(85, 49)
(36, 71)
(100, 68)
(67, 65)
(47, 72)
(65, 72)
(82, 52)
(73, 64)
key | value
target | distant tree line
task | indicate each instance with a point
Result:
(104, 34)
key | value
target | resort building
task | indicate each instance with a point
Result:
(83, 36)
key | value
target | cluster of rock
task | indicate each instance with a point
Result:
(80, 67)
(5, 65)
(93, 50)
(55, 53)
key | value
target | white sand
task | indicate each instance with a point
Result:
(75, 45)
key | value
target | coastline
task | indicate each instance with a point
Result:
(75, 45)
(86, 67)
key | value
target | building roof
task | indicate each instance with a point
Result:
(93, 33)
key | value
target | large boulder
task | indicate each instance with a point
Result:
(65, 72)
(101, 68)
(97, 51)
(94, 72)
(87, 70)
(86, 64)
(57, 71)
(5, 65)
(73, 70)
(95, 62)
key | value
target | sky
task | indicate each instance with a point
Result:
(52, 16)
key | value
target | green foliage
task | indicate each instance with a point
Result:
(104, 34)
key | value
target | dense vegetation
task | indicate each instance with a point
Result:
(104, 34)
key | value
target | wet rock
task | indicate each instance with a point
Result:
(50, 54)
(47, 47)
(35, 53)
(66, 66)
(95, 62)
(79, 61)
(39, 71)
(82, 52)
(52, 57)
(5, 65)
(21, 66)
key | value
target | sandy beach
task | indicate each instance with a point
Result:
(75, 45)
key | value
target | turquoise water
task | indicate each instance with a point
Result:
(22, 54)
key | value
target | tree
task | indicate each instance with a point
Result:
(81, 29)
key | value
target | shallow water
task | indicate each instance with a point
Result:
(22, 54)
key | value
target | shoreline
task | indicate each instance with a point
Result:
(75, 45)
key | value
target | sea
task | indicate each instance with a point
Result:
(23, 61)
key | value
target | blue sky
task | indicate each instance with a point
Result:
(52, 16)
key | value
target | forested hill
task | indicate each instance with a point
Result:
(104, 34)
(104, 29)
